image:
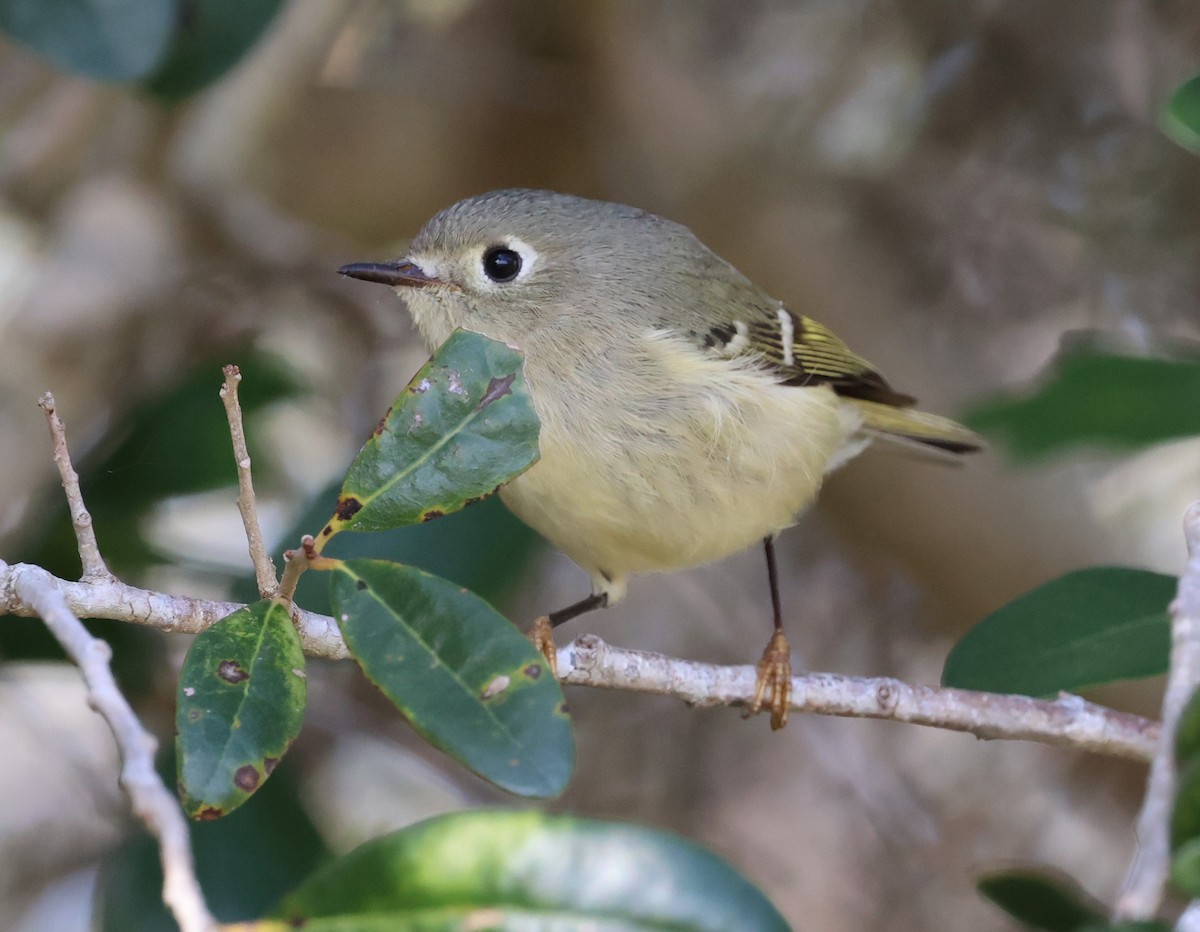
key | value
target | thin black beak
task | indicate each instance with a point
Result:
(400, 272)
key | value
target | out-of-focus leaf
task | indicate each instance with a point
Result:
(1181, 117)
(528, 870)
(1187, 733)
(1185, 868)
(463, 426)
(1148, 925)
(483, 548)
(211, 37)
(245, 862)
(1088, 627)
(110, 40)
(1101, 399)
(461, 673)
(240, 705)
(1042, 900)
(1185, 818)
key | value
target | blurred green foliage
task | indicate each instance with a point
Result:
(528, 870)
(1180, 118)
(1096, 398)
(1092, 626)
(173, 48)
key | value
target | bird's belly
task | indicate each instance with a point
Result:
(733, 471)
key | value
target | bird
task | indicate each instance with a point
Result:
(686, 414)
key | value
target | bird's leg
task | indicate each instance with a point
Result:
(775, 667)
(542, 630)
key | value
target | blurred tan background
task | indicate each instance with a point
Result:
(952, 186)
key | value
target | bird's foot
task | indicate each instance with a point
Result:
(541, 633)
(774, 680)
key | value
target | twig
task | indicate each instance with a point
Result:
(1067, 721)
(1147, 875)
(588, 661)
(297, 562)
(94, 567)
(264, 569)
(152, 802)
(119, 601)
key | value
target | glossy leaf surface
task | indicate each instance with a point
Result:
(526, 870)
(462, 674)
(462, 427)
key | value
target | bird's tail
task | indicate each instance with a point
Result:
(916, 428)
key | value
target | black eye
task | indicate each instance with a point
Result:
(501, 264)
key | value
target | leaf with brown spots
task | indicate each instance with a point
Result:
(462, 427)
(240, 703)
(463, 675)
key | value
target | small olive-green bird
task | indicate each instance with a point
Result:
(685, 413)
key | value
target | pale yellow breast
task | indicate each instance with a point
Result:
(698, 458)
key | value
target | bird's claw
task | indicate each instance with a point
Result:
(775, 680)
(541, 633)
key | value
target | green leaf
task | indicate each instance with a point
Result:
(212, 36)
(462, 674)
(1185, 817)
(240, 705)
(1092, 626)
(529, 870)
(462, 427)
(1180, 119)
(1042, 900)
(1185, 867)
(1148, 925)
(1096, 398)
(110, 40)
(1187, 733)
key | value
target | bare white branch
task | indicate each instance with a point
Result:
(264, 569)
(153, 803)
(94, 567)
(1143, 889)
(1067, 721)
(119, 601)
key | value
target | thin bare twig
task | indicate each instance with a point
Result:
(94, 567)
(153, 803)
(264, 569)
(1143, 889)
(297, 562)
(1067, 722)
